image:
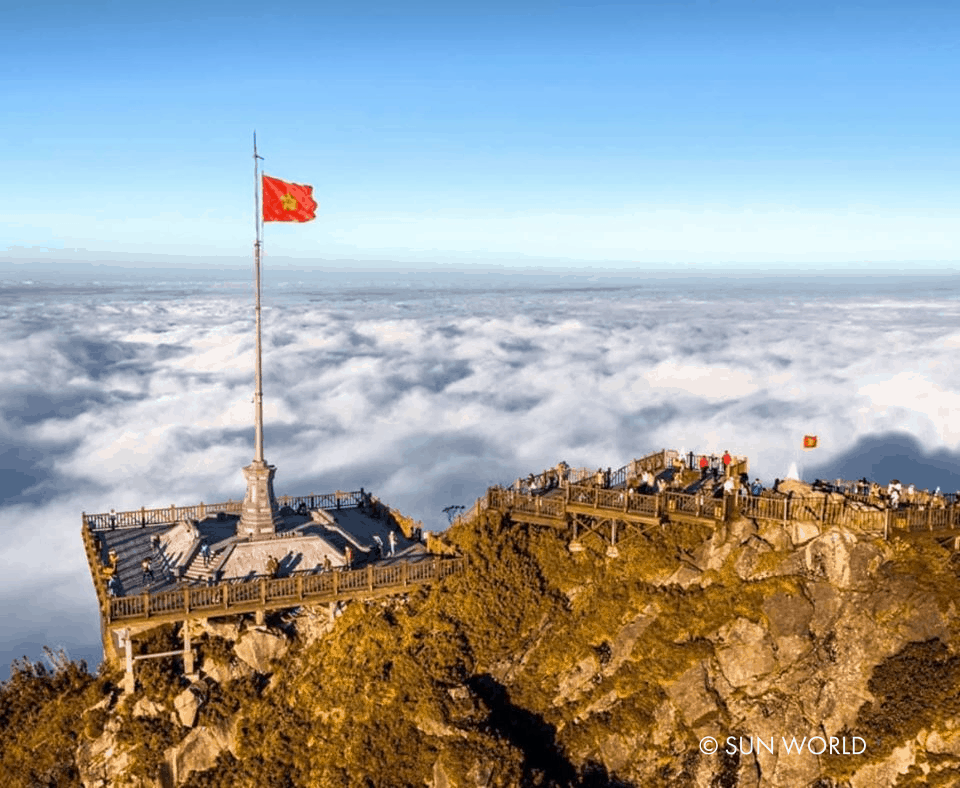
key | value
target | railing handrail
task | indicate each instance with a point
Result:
(815, 508)
(172, 514)
(192, 599)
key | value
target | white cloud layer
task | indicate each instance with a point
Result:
(426, 395)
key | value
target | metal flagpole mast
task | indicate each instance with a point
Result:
(258, 394)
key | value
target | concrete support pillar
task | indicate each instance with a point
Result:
(260, 617)
(129, 683)
(575, 546)
(612, 551)
(188, 667)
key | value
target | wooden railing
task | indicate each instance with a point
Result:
(297, 588)
(173, 514)
(811, 508)
(555, 507)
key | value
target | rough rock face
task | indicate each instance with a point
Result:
(813, 657)
(104, 762)
(199, 750)
(260, 649)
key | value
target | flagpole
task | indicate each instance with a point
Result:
(258, 393)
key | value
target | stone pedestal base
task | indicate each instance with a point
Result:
(260, 515)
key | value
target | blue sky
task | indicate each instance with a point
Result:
(616, 133)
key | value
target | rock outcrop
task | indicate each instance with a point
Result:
(539, 666)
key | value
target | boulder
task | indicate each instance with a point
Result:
(199, 750)
(829, 557)
(147, 708)
(228, 630)
(187, 705)
(259, 649)
(803, 531)
(217, 671)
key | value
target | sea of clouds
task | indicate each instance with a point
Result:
(135, 390)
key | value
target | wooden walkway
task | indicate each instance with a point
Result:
(576, 507)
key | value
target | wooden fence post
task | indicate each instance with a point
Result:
(186, 600)
(336, 582)
(370, 577)
(263, 591)
(404, 573)
(226, 595)
(145, 601)
(300, 587)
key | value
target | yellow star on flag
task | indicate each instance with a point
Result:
(289, 202)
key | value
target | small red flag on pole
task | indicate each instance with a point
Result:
(287, 202)
(809, 441)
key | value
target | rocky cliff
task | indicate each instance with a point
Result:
(757, 654)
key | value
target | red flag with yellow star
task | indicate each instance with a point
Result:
(287, 202)
(809, 441)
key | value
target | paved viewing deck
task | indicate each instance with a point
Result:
(208, 588)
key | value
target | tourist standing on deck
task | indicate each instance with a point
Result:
(273, 567)
(727, 459)
(379, 543)
(704, 464)
(348, 556)
(393, 542)
(147, 570)
(205, 552)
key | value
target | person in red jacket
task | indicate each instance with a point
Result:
(704, 464)
(727, 459)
